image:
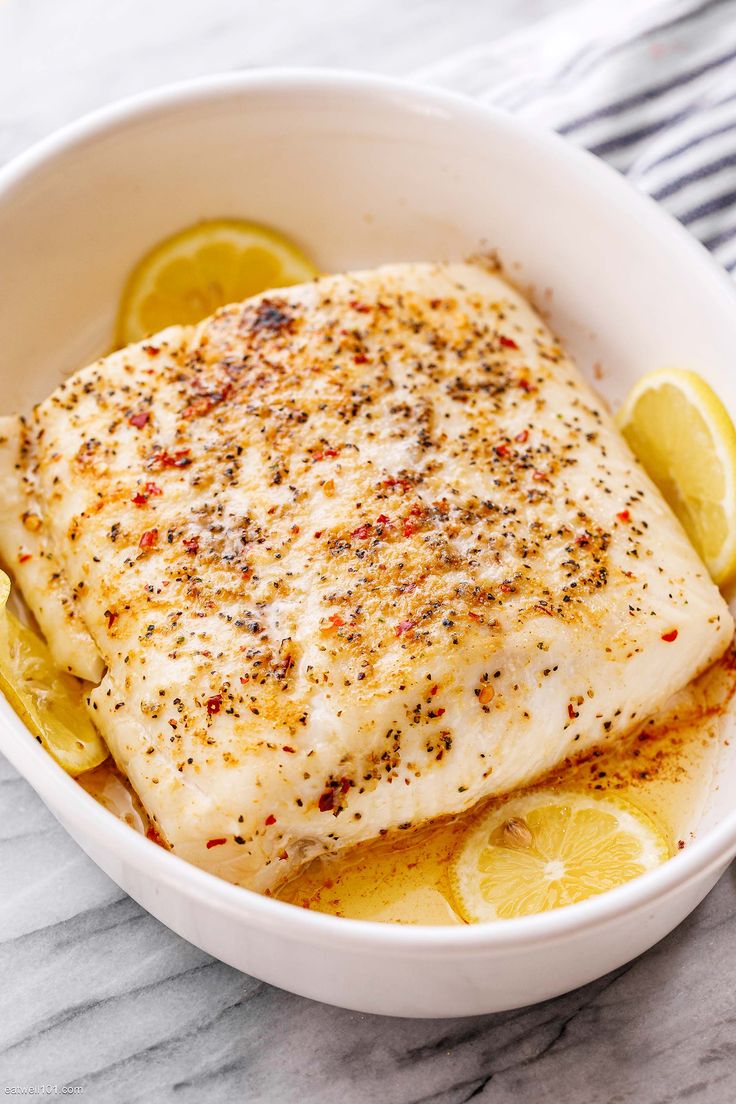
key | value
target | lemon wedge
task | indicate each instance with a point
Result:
(543, 850)
(682, 434)
(47, 700)
(190, 274)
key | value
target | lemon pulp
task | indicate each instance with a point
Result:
(682, 434)
(547, 849)
(49, 701)
(186, 277)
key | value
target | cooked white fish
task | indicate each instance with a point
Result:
(355, 555)
(24, 544)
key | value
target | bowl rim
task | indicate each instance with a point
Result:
(704, 856)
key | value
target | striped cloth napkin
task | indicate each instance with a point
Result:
(649, 85)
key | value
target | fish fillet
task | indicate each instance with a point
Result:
(25, 544)
(354, 555)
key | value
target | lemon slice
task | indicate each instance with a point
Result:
(190, 274)
(49, 701)
(543, 850)
(681, 432)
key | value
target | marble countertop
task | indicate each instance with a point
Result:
(98, 995)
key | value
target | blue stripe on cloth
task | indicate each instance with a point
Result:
(693, 143)
(631, 137)
(727, 161)
(718, 203)
(648, 94)
(722, 238)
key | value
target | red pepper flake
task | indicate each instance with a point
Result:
(571, 712)
(362, 532)
(402, 484)
(192, 545)
(326, 454)
(152, 350)
(149, 489)
(344, 785)
(362, 308)
(439, 712)
(360, 358)
(670, 636)
(624, 515)
(539, 476)
(410, 528)
(203, 404)
(434, 690)
(475, 616)
(383, 520)
(326, 801)
(24, 557)
(270, 819)
(501, 450)
(583, 538)
(404, 626)
(290, 750)
(139, 420)
(507, 342)
(178, 459)
(216, 842)
(111, 618)
(336, 620)
(198, 408)
(525, 384)
(154, 837)
(522, 437)
(148, 539)
(214, 704)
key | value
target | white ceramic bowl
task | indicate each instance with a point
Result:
(360, 170)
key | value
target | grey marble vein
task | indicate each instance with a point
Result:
(94, 992)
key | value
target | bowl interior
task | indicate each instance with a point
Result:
(358, 173)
